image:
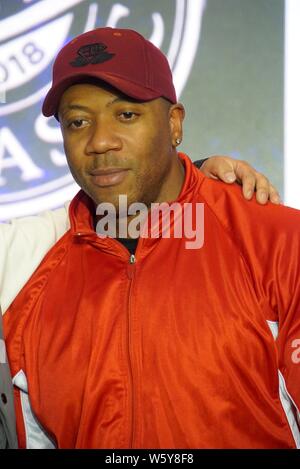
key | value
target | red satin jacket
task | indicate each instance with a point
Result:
(179, 348)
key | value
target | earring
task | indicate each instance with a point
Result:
(178, 141)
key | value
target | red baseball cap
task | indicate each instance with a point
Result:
(122, 58)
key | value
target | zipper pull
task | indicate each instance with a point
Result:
(131, 267)
(132, 259)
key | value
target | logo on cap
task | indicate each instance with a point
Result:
(91, 54)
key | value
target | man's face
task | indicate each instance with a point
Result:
(115, 145)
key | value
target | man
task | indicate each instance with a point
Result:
(25, 242)
(146, 343)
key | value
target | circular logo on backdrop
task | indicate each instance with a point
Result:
(34, 175)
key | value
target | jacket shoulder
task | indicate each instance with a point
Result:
(236, 213)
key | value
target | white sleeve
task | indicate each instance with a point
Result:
(23, 244)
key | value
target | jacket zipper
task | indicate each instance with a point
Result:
(130, 272)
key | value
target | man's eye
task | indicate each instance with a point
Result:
(128, 115)
(77, 123)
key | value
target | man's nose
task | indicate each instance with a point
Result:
(103, 138)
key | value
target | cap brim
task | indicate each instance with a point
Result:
(133, 90)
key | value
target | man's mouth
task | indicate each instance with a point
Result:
(108, 177)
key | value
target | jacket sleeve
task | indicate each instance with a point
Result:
(23, 244)
(199, 163)
(268, 238)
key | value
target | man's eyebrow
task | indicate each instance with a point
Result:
(71, 107)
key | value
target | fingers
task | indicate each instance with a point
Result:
(274, 195)
(248, 181)
(219, 167)
(229, 170)
(253, 181)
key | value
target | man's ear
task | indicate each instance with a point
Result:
(176, 116)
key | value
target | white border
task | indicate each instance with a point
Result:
(292, 104)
